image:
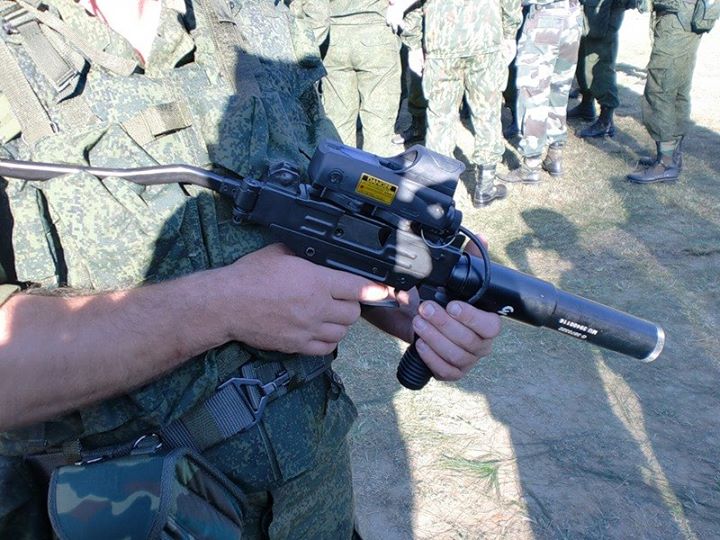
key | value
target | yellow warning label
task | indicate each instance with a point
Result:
(377, 189)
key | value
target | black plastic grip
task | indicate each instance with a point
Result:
(412, 372)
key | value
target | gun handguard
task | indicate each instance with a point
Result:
(394, 221)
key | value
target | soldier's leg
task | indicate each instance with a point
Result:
(563, 73)
(603, 54)
(485, 76)
(535, 62)
(340, 92)
(378, 69)
(666, 100)
(443, 88)
(585, 110)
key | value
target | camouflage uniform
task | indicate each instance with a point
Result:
(666, 99)
(463, 43)
(192, 103)
(547, 54)
(363, 74)
(596, 65)
(598, 51)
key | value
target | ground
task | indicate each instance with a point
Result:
(550, 437)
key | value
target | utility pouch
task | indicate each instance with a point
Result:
(704, 15)
(149, 496)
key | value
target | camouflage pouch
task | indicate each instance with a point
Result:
(154, 496)
(705, 13)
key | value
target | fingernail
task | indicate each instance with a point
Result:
(454, 309)
(419, 324)
(427, 309)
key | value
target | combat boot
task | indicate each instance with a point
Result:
(665, 168)
(585, 110)
(415, 133)
(602, 127)
(527, 173)
(553, 160)
(486, 190)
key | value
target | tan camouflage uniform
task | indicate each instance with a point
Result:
(546, 59)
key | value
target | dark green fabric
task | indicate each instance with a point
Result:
(595, 70)
(666, 100)
(86, 234)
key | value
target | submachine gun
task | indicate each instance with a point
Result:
(394, 221)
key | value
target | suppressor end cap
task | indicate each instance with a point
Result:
(658, 346)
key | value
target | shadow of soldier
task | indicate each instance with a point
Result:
(603, 445)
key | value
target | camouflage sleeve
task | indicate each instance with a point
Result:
(412, 33)
(511, 17)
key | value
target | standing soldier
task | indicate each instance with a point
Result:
(677, 29)
(468, 46)
(411, 34)
(363, 73)
(596, 65)
(547, 54)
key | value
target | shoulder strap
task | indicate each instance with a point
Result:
(239, 67)
(26, 106)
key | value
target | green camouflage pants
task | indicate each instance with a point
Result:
(363, 78)
(481, 79)
(596, 62)
(546, 59)
(666, 101)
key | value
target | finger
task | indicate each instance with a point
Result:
(448, 352)
(331, 332)
(344, 286)
(483, 323)
(343, 312)
(317, 348)
(457, 331)
(441, 370)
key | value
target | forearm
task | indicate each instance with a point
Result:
(60, 353)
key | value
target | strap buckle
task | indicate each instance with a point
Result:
(266, 392)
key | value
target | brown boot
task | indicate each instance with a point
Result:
(527, 173)
(553, 160)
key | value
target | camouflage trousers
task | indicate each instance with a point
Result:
(546, 59)
(363, 79)
(481, 79)
(666, 100)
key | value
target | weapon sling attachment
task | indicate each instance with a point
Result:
(237, 405)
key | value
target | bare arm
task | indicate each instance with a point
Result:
(61, 353)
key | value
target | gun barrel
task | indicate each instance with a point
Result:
(536, 302)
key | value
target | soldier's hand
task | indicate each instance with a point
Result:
(452, 340)
(277, 301)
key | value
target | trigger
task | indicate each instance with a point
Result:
(385, 303)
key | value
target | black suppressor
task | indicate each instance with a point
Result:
(536, 302)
